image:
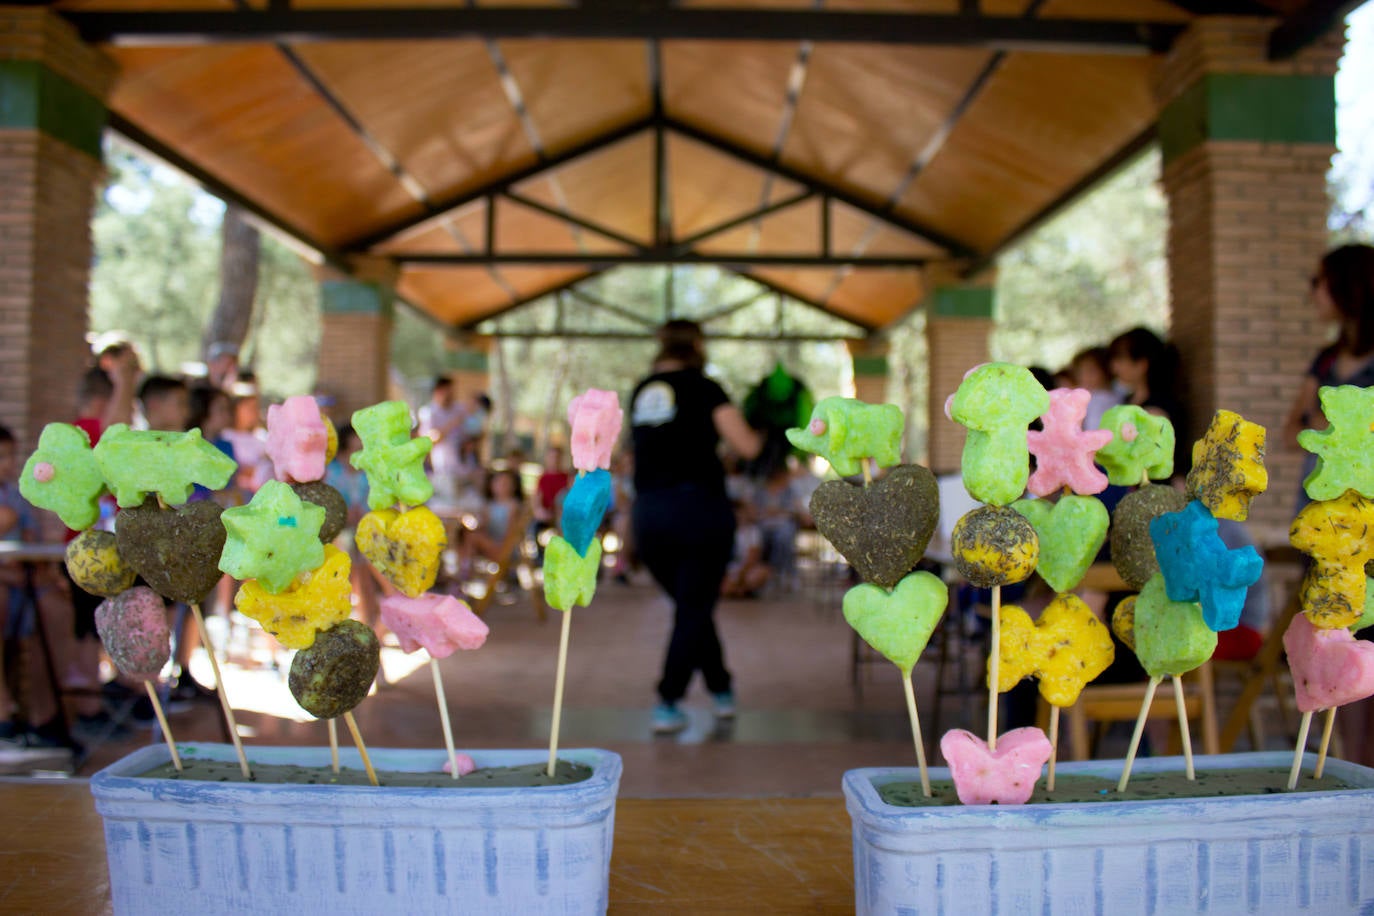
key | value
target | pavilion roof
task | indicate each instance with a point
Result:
(834, 150)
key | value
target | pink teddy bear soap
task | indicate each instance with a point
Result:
(297, 439)
(133, 627)
(595, 418)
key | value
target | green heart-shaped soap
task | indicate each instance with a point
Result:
(1171, 637)
(569, 577)
(1071, 532)
(898, 623)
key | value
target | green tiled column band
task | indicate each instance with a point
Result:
(36, 98)
(963, 302)
(1242, 106)
(467, 361)
(870, 366)
(355, 297)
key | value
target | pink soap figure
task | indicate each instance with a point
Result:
(595, 417)
(1330, 667)
(464, 763)
(297, 439)
(1064, 451)
(1005, 776)
(133, 627)
(440, 624)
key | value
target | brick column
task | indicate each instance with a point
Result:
(355, 345)
(468, 362)
(1246, 144)
(52, 112)
(958, 324)
(870, 369)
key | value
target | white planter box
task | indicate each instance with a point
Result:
(182, 847)
(1281, 853)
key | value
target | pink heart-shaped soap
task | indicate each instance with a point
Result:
(1006, 776)
(1330, 667)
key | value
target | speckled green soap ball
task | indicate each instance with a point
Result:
(336, 672)
(94, 563)
(995, 545)
(328, 499)
(1133, 553)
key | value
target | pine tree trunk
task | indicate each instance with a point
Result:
(238, 271)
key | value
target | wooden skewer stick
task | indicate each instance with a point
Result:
(868, 473)
(1183, 728)
(916, 734)
(352, 724)
(1139, 730)
(162, 721)
(995, 665)
(333, 745)
(558, 690)
(1054, 746)
(1326, 742)
(1298, 751)
(223, 697)
(443, 715)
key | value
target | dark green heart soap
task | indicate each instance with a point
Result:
(1133, 552)
(881, 529)
(176, 551)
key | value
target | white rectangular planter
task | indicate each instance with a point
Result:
(198, 847)
(1281, 853)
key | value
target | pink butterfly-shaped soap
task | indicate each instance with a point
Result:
(1006, 776)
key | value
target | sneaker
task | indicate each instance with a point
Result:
(668, 719)
(725, 705)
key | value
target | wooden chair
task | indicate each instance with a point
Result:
(508, 558)
(1107, 703)
(1267, 668)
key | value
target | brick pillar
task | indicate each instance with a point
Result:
(1246, 144)
(52, 112)
(957, 328)
(355, 346)
(468, 362)
(870, 369)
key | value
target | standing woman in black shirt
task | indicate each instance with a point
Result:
(684, 526)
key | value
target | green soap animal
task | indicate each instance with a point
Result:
(136, 462)
(844, 431)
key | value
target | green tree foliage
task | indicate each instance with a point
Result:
(1093, 271)
(156, 278)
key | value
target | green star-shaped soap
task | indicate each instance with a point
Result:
(569, 578)
(1345, 449)
(1142, 446)
(62, 476)
(273, 538)
(137, 462)
(393, 462)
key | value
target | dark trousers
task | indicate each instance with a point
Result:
(684, 536)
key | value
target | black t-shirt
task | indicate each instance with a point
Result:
(675, 437)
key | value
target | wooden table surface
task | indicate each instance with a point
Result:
(773, 855)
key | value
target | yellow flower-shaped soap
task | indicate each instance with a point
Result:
(1228, 466)
(405, 547)
(317, 600)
